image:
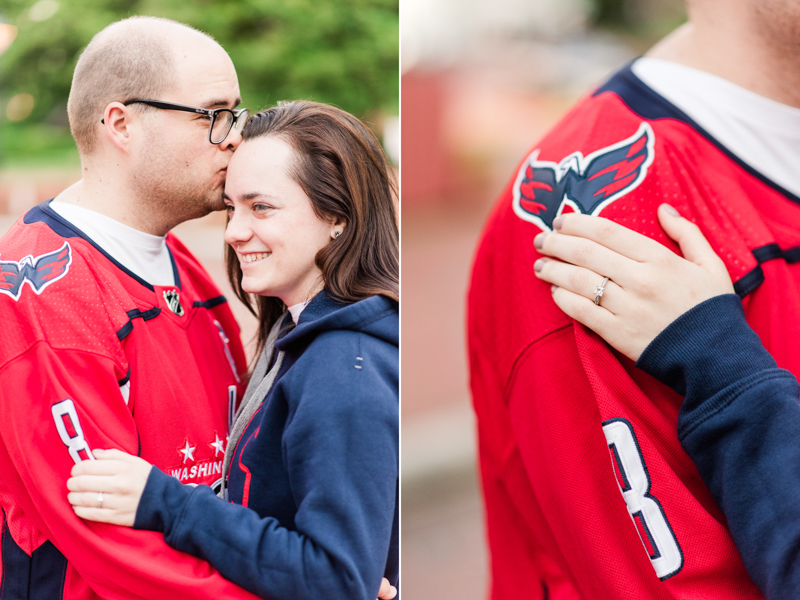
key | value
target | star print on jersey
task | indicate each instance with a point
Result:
(187, 451)
(198, 465)
(587, 184)
(218, 445)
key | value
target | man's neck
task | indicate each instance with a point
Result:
(105, 196)
(737, 54)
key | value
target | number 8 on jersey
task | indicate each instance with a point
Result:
(645, 510)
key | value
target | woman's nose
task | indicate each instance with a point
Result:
(237, 231)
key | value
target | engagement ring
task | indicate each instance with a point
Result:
(599, 290)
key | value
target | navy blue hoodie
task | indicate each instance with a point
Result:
(739, 422)
(314, 475)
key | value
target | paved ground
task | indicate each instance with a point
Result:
(443, 541)
(443, 549)
(443, 553)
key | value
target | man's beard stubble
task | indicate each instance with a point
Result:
(778, 24)
(171, 193)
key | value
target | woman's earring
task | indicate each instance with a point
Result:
(336, 234)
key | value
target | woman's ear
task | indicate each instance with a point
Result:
(337, 227)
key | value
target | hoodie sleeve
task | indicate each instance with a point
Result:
(739, 422)
(340, 447)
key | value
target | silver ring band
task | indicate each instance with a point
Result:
(99, 499)
(600, 290)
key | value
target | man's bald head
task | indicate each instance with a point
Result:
(133, 58)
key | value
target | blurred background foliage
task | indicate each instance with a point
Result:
(343, 52)
(640, 23)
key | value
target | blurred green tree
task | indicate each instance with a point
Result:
(344, 52)
(647, 18)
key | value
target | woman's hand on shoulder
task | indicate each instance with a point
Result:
(109, 488)
(648, 285)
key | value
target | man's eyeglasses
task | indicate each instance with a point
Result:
(222, 119)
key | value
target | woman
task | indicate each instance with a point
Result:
(682, 323)
(311, 465)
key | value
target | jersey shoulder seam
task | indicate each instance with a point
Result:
(36, 343)
(515, 363)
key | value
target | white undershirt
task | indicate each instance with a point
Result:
(763, 133)
(296, 309)
(144, 254)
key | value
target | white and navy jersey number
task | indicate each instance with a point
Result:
(645, 510)
(69, 429)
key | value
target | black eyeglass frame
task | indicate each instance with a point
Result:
(236, 113)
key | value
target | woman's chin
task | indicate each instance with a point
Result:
(259, 290)
(254, 287)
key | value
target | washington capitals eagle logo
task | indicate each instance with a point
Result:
(586, 183)
(37, 271)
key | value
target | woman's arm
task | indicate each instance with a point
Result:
(340, 546)
(740, 418)
(124, 479)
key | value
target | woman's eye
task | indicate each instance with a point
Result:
(229, 208)
(260, 208)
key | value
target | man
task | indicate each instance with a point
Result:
(113, 334)
(588, 492)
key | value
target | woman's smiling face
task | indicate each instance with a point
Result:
(273, 227)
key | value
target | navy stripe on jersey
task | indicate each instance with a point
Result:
(44, 214)
(762, 254)
(649, 104)
(125, 379)
(773, 251)
(175, 270)
(216, 301)
(136, 314)
(749, 281)
(44, 571)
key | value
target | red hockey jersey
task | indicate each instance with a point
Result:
(91, 356)
(588, 492)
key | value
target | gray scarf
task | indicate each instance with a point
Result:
(258, 388)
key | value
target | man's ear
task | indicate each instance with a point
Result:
(116, 121)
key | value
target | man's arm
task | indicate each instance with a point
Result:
(740, 416)
(55, 406)
(624, 504)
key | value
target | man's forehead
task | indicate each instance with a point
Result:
(220, 103)
(205, 76)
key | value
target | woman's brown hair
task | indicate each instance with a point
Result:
(344, 172)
